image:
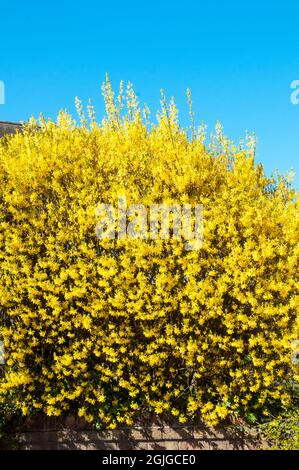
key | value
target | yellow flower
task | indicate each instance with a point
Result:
(115, 327)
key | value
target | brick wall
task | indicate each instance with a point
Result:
(71, 433)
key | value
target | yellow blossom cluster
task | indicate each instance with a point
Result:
(108, 328)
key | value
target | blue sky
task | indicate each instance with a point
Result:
(238, 58)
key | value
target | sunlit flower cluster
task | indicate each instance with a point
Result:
(111, 328)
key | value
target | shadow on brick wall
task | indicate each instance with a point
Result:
(151, 433)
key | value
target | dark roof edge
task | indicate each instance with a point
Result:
(8, 123)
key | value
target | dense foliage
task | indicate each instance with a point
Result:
(108, 328)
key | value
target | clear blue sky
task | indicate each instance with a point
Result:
(238, 58)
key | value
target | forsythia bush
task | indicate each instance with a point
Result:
(282, 433)
(108, 328)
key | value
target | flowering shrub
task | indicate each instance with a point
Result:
(108, 328)
(282, 433)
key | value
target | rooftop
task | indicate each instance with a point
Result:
(9, 127)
